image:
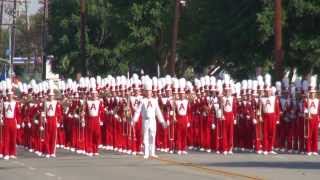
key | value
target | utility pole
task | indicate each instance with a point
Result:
(1, 15)
(45, 40)
(175, 30)
(83, 38)
(278, 51)
(13, 37)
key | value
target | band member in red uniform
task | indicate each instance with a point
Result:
(94, 114)
(270, 115)
(311, 110)
(182, 119)
(53, 120)
(110, 103)
(229, 116)
(11, 122)
(136, 131)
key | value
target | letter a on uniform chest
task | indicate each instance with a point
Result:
(182, 107)
(314, 106)
(149, 105)
(9, 109)
(136, 103)
(93, 107)
(51, 108)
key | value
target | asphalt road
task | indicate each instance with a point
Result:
(195, 165)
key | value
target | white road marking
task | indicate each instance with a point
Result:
(49, 174)
(31, 168)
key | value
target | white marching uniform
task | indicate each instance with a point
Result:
(149, 109)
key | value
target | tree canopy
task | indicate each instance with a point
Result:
(238, 36)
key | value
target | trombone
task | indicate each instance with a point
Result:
(43, 120)
(219, 115)
(306, 120)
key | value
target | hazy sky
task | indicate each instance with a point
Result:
(34, 6)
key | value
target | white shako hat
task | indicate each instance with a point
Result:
(267, 84)
(313, 83)
(182, 85)
(147, 84)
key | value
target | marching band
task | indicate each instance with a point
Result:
(142, 115)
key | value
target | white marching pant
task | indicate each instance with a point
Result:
(149, 136)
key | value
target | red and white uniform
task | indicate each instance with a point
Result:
(136, 135)
(34, 114)
(311, 109)
(11, 120)
(27, 125)
(229, 114)
(196, 128)
(109, 104)
(207, 122)
(245, 134)
(77, 131)
(53, 120)
(270, 115)
(287, 123)
(183, 113)
(94, 114)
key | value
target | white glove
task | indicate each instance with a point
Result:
(18, 126)
(171, 113)
(213, 126)
(278, 122)
(188, 125)
(234, 122)
(41, 128)
(76, 116)
(70, 116)
(36, 121)
(319, 125)
(43, 114)
(1, 122)
(29, 124)
(58, 125)
(101, 123)
(61, 126)
(255, 121)
(111, 112)
(132, 123)
(165, 125)
(116, 116)
(23, 125)
(83, 124)
(247, 116)
(168, 122)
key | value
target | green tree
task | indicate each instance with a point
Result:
(120, 34)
